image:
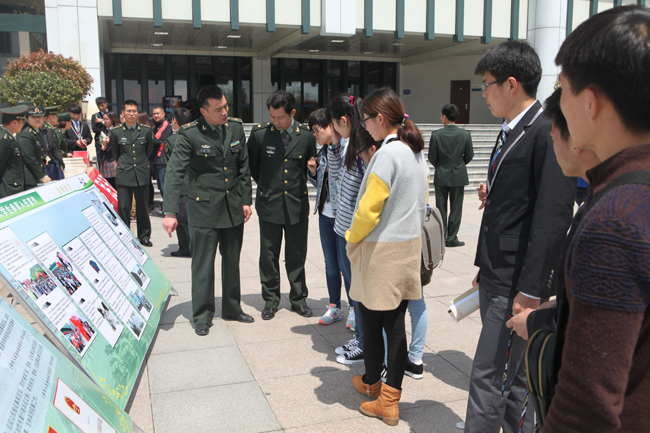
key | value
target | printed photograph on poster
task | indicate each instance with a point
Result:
(121, 230)
(108, 316)
(140, 277)
(79, 333)
(136, 324)
(80, 413)
(36, 282)
(141, 302)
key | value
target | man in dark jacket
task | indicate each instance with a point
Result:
(97, 119)
(78, 136)
(162, 129)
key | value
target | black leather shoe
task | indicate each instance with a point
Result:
(268, 313)
(179, 253)
(454, 244)
(202, 329)
(243, 318)
(146, 243)
(304, 311)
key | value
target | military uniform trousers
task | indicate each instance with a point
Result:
(455, 195)
(295, 253)
(203, 247)
(125, 195)
(183, 230)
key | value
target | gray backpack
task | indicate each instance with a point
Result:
(433, 244)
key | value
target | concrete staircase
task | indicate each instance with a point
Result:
(483, 139)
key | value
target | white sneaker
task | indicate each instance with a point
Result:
(333, 315)
(347, 346)
(351, 320)
(355, 356)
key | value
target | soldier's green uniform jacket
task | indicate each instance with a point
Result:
(12, 174)
(131, 150)
(31, 147)
(170, 142)
(281, 176)
(61, 143)
(218, 171)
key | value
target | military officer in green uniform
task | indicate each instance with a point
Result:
(279, 152)
(51, 122)
(212, 153)
(59, 133)
(12, 174)
(32, 148)
(181, 117)
(131, 144)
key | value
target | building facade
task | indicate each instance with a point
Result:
(425, 49)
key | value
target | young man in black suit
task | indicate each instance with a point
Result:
(528, 208)
(78, 136)
(97, 119)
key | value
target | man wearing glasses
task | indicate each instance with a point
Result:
(212, 153)
(131, 144)
(279, 152)
(528, 208)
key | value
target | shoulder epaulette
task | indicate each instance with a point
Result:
(304, 127)
(145, 126)
(263, 125)
(235, 119)
(189, 125)
(119, 127)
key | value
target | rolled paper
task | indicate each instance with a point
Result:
(464, 305)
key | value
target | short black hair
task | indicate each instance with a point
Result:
(74, 108)
(610, 52)
(553, 112)
(101, 100)
(319, 118)
(130, 102)
(160, 107)
(182, 116)
(451, 112)
(513, 59)
(8, 118)
(281, 99)
(209, 92)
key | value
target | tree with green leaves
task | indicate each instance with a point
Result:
(47, 79)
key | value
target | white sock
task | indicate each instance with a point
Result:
(415, 361)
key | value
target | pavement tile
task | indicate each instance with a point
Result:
(139, 409)
(455, 336)
(231, 408)
(286, 325)
(361, 423)
(434, 418)
(173, 337)
(192, 369)
(296, 356)
(442, 382)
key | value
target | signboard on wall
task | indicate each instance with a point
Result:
(83, 275)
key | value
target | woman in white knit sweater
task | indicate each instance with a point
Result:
(384, 246)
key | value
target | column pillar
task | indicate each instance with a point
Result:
(546, 32)
(261, 90)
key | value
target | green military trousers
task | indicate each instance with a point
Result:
(295, 253)
(203, 247)
(125, 196)
(455, 194)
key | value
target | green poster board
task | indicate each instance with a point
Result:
(80, 272)
(43, 391)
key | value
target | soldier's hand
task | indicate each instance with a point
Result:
(170, 223)
(247, 213)
(311, 165)
(46, 179)
(482, 195)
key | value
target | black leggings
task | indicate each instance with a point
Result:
(373, 343)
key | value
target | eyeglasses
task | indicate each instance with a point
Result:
(316, 129)
(484, 86)
(363, 150)
(363, 121)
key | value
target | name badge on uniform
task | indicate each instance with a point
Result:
(206, 149)
(123, 140)
(270, 150)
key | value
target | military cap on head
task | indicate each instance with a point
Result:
(52, 110)
(64, 117)
(14, 111)
(36, 111)
(28, 103)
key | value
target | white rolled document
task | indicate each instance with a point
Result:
(464, 305)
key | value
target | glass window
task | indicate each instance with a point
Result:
(9, 43)
(391, 76)
(225, 66)
(292, 66)
(312, 67)
(311, 99)
(334, 68)
(333, 87)
(354, 69)
(354, 86)
(156, 78)
(246, 68)
(37, 42)
(22, 7)
(247, 108)
(180, 89)
(275, 70)
(226, 84)
(132, 78)
(295, 88)
(109, 79)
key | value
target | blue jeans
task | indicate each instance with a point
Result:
(329, 241)
(160, 170)
(419, 320)
(344, 265)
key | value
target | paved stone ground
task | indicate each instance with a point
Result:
(282, 375)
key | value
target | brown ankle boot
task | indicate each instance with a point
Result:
(364, 388)
(385, 407)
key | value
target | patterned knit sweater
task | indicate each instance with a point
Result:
(384, 241)
(604, 381)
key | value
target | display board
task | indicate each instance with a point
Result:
(43, 391)
(85, 277)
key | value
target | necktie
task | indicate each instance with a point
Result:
(502, 139)
(283, 134)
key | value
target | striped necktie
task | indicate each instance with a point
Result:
(502, 139)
